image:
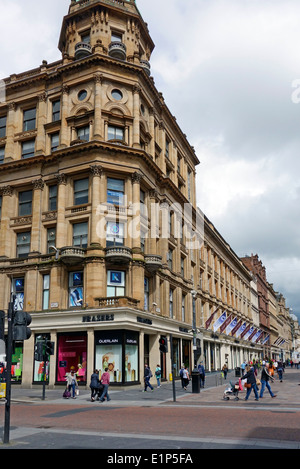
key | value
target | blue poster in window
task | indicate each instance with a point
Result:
(19, 284)
(116, 277)
(76, 296)
(77, 278)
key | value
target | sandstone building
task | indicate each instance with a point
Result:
(101, 240)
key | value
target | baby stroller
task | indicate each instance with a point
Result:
(232, 391)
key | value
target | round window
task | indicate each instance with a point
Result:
(82, 95)
(117, 94)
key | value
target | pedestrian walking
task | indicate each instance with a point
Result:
(72, 383)
(147, 376)
(265, 377)
(158, 375)
(105, 380)
(181, 375)
(251, 383)
(202, 374)
(280, 371)
(186, 378)
(94, 385)
(225, 370)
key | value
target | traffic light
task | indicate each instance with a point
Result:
(20, 323)
(49, 347)
(2, 316)
(163, 344)
(39, 351)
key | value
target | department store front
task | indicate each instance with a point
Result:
(122, 341)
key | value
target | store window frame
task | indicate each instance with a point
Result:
(126, 341)
(80, 368)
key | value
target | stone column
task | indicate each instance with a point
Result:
(42, 119)
(154, 222)
(6, 213)
(10, 154)
(36, 215)
(135, 231)
(96, 171)
(152, 133)
(61, 230)
(136, 117)
(64, 133)
(98, 107)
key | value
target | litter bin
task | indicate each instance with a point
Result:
(238, 372)
(195, 381)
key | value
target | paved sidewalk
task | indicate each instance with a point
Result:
(288, 394)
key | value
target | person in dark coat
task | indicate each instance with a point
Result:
(251, 380)
(202, 374)
(95, 384)
(147, 376)
(265, 377)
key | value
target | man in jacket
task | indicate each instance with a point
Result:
(202, 374)
(147, 376)
(265, 377)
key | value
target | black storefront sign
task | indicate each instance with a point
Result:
(98, 318)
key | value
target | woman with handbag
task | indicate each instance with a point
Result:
(72, 383)
(251, 383)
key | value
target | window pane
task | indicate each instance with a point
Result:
(80, 234)
(25, 203)
(81, 191)
(52, 197)
(115, 184)
(114, 233)
(29, 119)
(28, 149)
(2, 127)
(55, 111)
(23, 244)
(2, 153)
(54, 142)
(115, 133)
(83, 133)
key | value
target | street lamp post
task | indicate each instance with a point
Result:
(195, 372)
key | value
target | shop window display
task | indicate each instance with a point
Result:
(39, 373)
(117, 351)
(72, 355)
(17, 363)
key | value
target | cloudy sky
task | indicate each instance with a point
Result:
(229, 71)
